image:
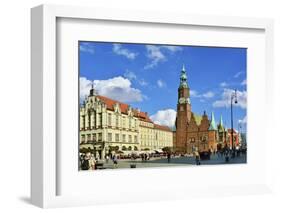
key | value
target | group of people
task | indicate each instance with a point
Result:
(145, 157)
(89, 162)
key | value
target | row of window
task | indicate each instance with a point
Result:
(156, 136)
(202, 139)
(132, 122)
(93, 120)
(91, 137)
(98, 137)
(145, 143)
(124, 138)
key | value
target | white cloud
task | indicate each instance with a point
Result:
(119, 50)
(243, 121)
(223, 84)
(226, 98)
(208, 94)
(244, 82)
(161, 83)
(156, 54)
(117, 88)
(142, 82)
(85, 86)
(195, 94)
(165, 117)
(238, 74)
(87, 47)
(133, 77)
(172, 48)
(130, 75)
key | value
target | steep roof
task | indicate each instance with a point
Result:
(213, 123)
(220, 126)
(110, 104)
(234, 131)
(221, 122)
(165, 128)
(124, 108)
(143, 116)
(198, 119)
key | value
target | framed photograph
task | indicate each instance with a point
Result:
(130, 106)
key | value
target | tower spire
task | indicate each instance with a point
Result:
(183, 78)
(92, 90)
(213, 122)
(221, 121)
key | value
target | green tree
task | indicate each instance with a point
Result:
(166, 149)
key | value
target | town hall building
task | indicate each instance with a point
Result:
(193, 131)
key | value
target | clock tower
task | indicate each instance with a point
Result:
(183, 112)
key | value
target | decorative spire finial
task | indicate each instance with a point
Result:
(213, 122)
(92, 90)
(183, 78)
(221, 121)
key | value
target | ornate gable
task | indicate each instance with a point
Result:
(116, 108)
(192, 127)
(205, 123)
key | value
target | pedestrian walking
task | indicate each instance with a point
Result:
(197, 157)
(115, 162)
(169, 157)
(106, 158)
(226, 155)
(92, 163)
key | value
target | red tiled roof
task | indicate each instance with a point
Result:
(165, 128)
(110, 104)
(229, 131)
(143, 116)
(124, 109)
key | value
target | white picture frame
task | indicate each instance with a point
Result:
(44, 154)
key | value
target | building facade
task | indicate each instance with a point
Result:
(196, 132)
(107, 125)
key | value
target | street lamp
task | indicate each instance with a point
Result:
(233, 97)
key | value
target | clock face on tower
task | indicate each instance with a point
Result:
(184, 100)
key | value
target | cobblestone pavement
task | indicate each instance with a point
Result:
(178, 161)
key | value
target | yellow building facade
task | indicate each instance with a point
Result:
(107, 125)
(154, 137)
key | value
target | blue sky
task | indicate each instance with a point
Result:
(147, 77)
